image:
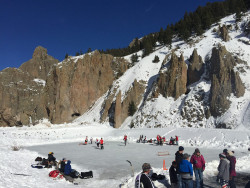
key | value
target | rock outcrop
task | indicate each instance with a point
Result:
(195, 68)
(20, 96)
(172, 83)
(73, 87)
(224, 33)
(117, 111)
(42, 88)
(40, 64)
(21, 90)
(224, 80)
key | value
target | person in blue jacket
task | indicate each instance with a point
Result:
(69, 171)
(186, 171)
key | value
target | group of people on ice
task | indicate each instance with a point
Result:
(184, 167)
(98, 142)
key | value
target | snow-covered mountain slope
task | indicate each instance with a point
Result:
(165, 111)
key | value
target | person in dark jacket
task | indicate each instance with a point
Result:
(143, 179)
(173, 175)
(186, 171)
(232, 171)
(51, 159)
(62, 164)
(178, 159)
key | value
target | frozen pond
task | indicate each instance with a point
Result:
(110, 163)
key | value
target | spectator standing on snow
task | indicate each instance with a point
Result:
(173, 175)
(91, 140)
(143, 179)
(125, 139)
(178, 159)
(199, 166)
(232, 171)
(223, 169)
(101, 142)
(186, 171)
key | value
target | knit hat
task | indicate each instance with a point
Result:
(181, 148)
(146, 167)
(222, 155)
(51, 153)
(197, 150)
(64, 159)
(186, 156)
(225, 150)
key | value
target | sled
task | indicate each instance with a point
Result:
(39, 166)
(163, 153)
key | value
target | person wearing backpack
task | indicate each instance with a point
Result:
(199, 166)
(186, 171)
(143, 179)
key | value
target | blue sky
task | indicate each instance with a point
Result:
(68, 26)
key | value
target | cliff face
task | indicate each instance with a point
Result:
(42, 88)
(224, 80)
(172, 83)
(73, 87)
(21, 90)
(195, 68)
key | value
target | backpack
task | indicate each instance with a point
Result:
(45, 161)
(86, 175)
(54, 173)
(38, 159)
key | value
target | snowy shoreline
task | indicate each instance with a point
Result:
(42, 134)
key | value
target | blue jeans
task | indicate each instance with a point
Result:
(198, 178)
(179, 181)
(187, 183)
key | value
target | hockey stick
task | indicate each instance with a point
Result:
(133, 173)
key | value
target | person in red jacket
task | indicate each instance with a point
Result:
(125, 139)
(232, 171)
(176, 140)
(199, 166)
(101, 142)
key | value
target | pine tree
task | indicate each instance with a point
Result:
(131, 108)
(66, 55)
(156, 59)
(134, 58)
(89, 50)
(77, 53)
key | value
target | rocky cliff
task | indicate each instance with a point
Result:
(21, 90)
(42, 88)
(224, 80)
(172, 83)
